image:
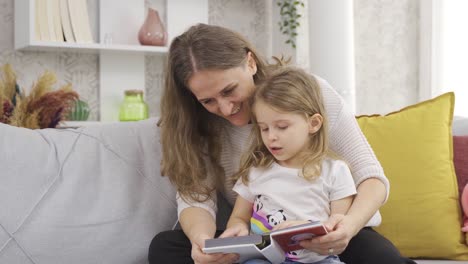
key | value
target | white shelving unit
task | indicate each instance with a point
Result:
(122, 62)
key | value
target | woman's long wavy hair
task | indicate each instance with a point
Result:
(290, 90)
(190, 135)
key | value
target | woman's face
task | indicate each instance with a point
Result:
(226, 92)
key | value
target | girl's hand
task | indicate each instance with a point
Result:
(235, 230)
(341, 229)
(289, 223)
(201, 258)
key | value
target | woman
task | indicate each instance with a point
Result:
(205, 116)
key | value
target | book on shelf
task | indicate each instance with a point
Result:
(47, 21)
(49, 7)
(271, 246)
(66, 23)
(42, 20)
(55, 23)
(37, 29)
(79, 17)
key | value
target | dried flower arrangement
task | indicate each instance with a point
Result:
(42, 108)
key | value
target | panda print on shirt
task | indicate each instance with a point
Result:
(265, 216)
(276, 217)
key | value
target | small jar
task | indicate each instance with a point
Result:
(133, 108)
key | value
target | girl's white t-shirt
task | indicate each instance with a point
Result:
(279, 194)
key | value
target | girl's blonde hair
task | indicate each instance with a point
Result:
(190, 135)
(291, 90)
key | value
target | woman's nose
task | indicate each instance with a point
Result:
(225, 107)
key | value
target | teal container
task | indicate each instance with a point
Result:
(79, 111)
(133, 108)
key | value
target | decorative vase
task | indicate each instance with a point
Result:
(79, 111)
(152, 31)
(133, 108)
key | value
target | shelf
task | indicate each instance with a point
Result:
(93, 47)
(122, 63)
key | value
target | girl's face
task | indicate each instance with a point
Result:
(226, 92)
(286, 135)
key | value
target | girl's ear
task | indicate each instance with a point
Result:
(315, 123)
(251, 63)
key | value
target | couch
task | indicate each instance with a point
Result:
(92, 194)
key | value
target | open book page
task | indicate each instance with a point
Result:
(289, 238)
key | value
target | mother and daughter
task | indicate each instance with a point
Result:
(267, 138)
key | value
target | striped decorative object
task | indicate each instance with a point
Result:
(79, 112)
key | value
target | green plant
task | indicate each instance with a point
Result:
(289, 19)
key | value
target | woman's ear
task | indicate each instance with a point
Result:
(315, 123)
(251, 63)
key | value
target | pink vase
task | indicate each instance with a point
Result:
(152, 31)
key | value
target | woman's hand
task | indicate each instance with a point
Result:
(341, 229)
(217, 258)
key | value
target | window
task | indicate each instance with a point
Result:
(454, 52)
(444, 51)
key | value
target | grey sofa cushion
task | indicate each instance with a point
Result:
(87, 195)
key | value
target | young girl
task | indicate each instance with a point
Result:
(287, 176)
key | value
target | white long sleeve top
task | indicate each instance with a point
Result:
(345, 139)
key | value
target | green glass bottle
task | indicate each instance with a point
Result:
(133, 108)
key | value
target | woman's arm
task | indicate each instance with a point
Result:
(197, 222)
(370, 196)
(198, 225)
(348, 141)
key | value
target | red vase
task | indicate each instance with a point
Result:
(152, 31)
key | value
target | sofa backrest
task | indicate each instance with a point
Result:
(460, 126)
(87, 195)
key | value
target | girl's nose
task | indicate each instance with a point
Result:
(272, 136)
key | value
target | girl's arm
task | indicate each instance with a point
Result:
(238, 224)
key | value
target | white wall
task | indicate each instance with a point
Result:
(387, 54)
(385, 75)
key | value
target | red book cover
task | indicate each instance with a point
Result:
(288, 239)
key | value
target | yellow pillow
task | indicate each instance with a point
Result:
(422, 216)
